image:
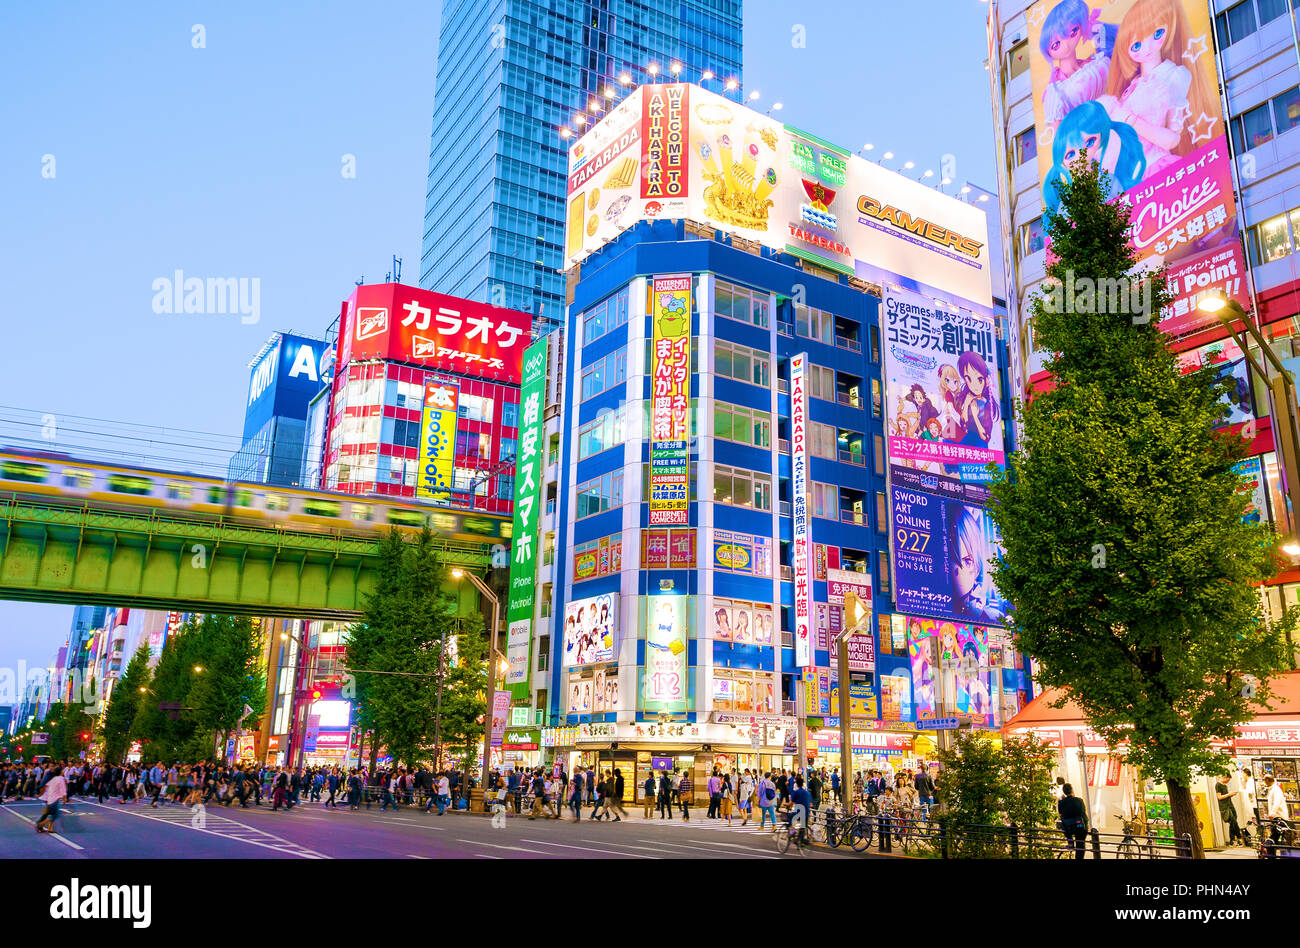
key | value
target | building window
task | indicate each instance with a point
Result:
(876, 398)
(1270, 10)
(882, 572)
(1270, 240)
(607, 430)
(599, 494)
(1018, 60)
(1286, 110)
(605, 317)
(878, 443)
(742, 425)
(742, 488)
(821, 382)
(736, 302)
(476, 408)
(1026, 146)
(882, 512)
(604, 374)
(742, 363)
(825, 501)
(816, 324)
(1031, 237)
(1236, 23)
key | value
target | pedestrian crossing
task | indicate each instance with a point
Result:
(205, 821)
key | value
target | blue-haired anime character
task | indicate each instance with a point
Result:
(1115, 145)
(1074, 79)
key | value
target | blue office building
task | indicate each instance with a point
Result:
(512, 74)
(285, 375)
(684, 554)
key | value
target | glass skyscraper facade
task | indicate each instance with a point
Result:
(511, 74)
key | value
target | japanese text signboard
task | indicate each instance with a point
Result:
(394, 321)
(801, 535)
(670, 398)
(433, 479)
(523, 556)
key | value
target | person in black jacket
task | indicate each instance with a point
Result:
(1074, 819)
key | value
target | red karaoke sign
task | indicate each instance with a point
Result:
(407, 324)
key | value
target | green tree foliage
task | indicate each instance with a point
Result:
(1027, 789)
(227, 648)
(971, 792)
(1132, 574)
(66, 723)
(124, 706)
(393, 652)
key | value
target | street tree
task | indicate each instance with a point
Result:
(124, 706)
(1132, 574)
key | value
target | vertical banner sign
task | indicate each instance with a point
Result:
(523, 559)
(1136, 81)
(664, 685)
(802, 550)
(437, 441)
(663, 137)
(670, 314)
(310, 736)
(500, 714)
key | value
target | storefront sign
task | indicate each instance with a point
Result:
(522, 739)
(500, 714)
(433, 479)
(801, 552)
(670, 399)
(523, 559)
(1248, 736)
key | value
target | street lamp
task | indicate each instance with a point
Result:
(1283, 401)
(493, 655)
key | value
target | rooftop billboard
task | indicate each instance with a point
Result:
(675, 150)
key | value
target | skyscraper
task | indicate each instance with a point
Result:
(511, 75)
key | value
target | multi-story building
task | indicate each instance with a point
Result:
(510, 74)
(426, 399)
(1220, 203)
(286, 374)
(723, 473)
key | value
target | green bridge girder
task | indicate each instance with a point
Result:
(99, 556)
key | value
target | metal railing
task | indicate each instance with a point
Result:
(853, 516)
(854, 457)
(853, 345)
(844, 398)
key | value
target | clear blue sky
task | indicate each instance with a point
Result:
(225, 161)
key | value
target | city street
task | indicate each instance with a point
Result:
(87, 830)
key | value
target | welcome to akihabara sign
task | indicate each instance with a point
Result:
(678, 151)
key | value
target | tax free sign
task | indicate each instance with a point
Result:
(523, 553)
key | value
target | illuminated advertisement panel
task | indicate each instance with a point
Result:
(590, 630)
(802, 540)
(747, 174)
(437, 441)
(670, 398)
(960, 652)
(523, 558)
(407, 324)
(1136, 81)
(664, 683)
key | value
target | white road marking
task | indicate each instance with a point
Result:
(184, 820)
(31, 822)
(612, 852)
(414, 856)
(420, 825)
(518, 849)
(704, 849)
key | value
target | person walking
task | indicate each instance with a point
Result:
(1226, 809)
(767, 799)
(665, 796)
(1275, 811)
(1249, 804)
(835, 785)
(1074, 819)
(54, 793)
(649, 791)
(727, 797)
(686, 795)
(746, 795)
(713, 787)
(576, 794)
(616, 788)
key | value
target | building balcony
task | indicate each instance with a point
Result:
(853, 345)
(854, 457)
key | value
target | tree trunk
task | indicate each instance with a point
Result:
(374, 754)
(1184, 814)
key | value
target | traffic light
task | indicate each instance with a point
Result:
(85, 736)
(315, 694)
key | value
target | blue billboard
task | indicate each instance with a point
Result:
(288, 373)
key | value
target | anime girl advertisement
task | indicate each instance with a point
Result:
(941, 388)
(1134, 84)
(590, 628)
(919, 652)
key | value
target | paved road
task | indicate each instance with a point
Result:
(91, 830)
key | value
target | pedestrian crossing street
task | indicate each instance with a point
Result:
(207, 821)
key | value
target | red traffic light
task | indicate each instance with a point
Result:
(315, 694)
(85, 736)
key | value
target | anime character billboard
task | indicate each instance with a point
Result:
(1133, 83)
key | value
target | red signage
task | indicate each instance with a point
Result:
(663, 132)
(407, 324)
